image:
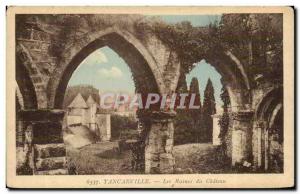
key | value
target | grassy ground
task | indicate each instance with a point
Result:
(199, 158)
(103, 158)
(100, 158)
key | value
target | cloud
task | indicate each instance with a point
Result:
(97, 57)
(113, 72)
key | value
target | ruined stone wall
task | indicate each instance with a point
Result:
(265, 100)
(159, 144)
(39, 38)
(46, 54)
(242, 137)
(50, 50)
(228, 139)
(103, 122)
(169, 64)
(44, 150)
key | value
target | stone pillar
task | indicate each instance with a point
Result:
(258, 144)
(216, 129)
(266, 150)
(159, 144)
(241, 137)
(44, 141)
(20, 134)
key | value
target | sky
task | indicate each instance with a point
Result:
(196, 20)
(106, 71)
(109, 73)
(204, 71)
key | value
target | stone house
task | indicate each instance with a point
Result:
(88, 113)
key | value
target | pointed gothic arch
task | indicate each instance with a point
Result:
(145, 72)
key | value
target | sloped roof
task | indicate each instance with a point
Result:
(78, 102)
(90, 101)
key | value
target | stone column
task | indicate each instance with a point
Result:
(216, 129)
(159, 144)
(19, 131)
(257, 143)
(44, 141)
(241, 137)
(266, 150)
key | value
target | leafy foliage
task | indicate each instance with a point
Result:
(224, 120)
(184, 130)
(225, 98)
(189, 42)
(256, 40)
(121, 123)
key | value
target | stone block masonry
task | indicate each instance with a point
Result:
(43, 137)
(159, 145)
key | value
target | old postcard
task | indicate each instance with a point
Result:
(150, 97)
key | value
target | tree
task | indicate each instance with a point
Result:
(209, 109)
(183, 128)
(255, 39)
(196, 114)
(183, 123)
(121, 124)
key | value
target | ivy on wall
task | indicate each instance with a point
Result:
(256, 39)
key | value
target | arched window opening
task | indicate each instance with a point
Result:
(207, 127)
(93, 132)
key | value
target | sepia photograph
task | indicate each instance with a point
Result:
(113, 97)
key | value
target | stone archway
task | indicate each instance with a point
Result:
(235, 80)
(155, 64)
(26, 99)
(24, 80)
(33, 82)
(237, 84)
(268, 130)
(145, 71)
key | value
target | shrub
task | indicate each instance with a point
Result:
(121, 123)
